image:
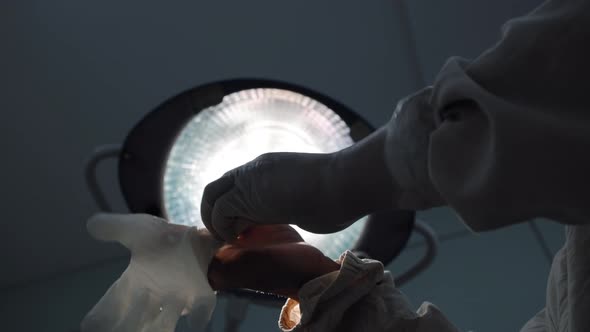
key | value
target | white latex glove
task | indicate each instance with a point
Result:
(321, 193)
(166, 277)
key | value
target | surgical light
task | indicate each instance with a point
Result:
(243, 126)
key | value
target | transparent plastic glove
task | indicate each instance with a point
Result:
(166, 277)
(321, 193)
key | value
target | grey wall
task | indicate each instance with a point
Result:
(78, 74)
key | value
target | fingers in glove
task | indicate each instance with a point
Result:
(141, 312)
(213, 191)
(127, 229)
(110, 309)
(227, 217)
(167, 317)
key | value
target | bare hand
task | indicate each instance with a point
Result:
(269, 258)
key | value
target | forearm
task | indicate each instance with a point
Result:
(362, 170)
(500, 139)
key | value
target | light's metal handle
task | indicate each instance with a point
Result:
(99, 155)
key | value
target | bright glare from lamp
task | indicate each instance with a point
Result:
(243, 126)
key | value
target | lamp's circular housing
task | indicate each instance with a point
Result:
(193, 138)
(243, 126)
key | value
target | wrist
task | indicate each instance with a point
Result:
(362, 175)
(407, 146)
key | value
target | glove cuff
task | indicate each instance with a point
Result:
(362, 178)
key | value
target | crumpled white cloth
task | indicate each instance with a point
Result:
(361, 296)
(166, 277)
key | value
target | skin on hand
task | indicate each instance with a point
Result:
(269, 258)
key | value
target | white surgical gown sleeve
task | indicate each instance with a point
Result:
(500, 139)
(506, 137)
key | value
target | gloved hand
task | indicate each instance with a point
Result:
(321, 193)
(270, 258)
(165, 277)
